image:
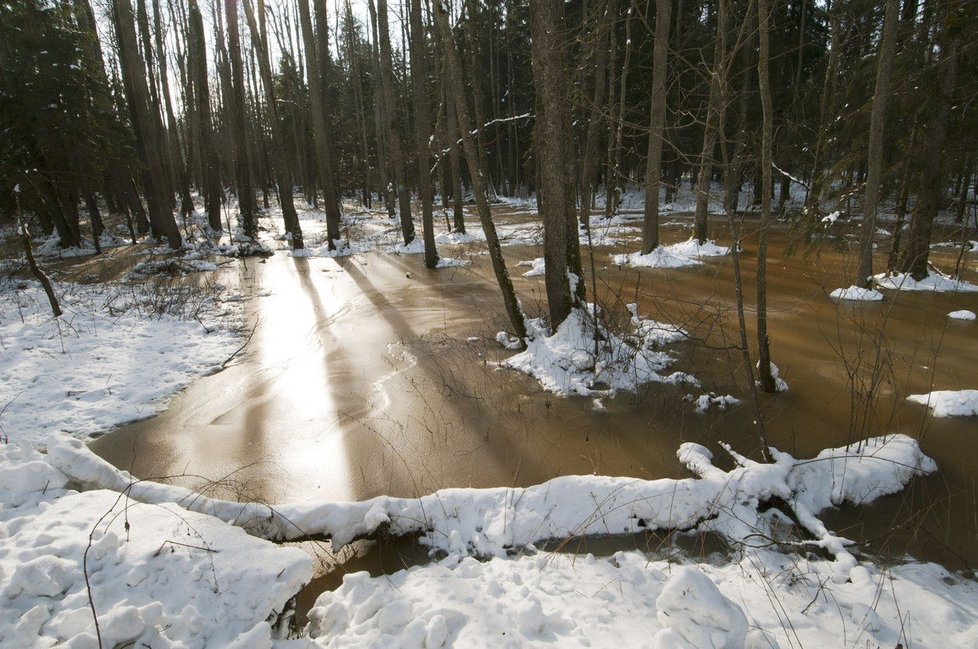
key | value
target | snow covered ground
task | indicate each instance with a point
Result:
(91, 557)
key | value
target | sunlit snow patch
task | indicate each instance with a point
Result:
(961, 315)
(949, 403)
(571, 362)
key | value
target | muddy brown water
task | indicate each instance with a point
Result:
(371, 375)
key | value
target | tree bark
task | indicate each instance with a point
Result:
(884, 64)
(657, 122)
(134, 73)
(422, 130)
(454, 71)
(551, 142)
(763, 77)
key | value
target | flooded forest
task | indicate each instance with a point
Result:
(355, 323)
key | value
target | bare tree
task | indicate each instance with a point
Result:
(422, 131)
(454, 72)
(657, 122)
(884, 63)
(765, 376)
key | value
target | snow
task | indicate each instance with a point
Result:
(565, 362)
(779, 383)
(457, 238)
(933, 282)
(831, 218)
(961, 315)
(93, 361)
(449, 262)
(679, 255)
(949, 403)
(416, 247)
(538, 267)
(765, 600)
(706, 401)
(856, 294)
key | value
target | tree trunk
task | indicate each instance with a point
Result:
(454, 72)
(134, 73)
(657, 122)
(589, 161)
(239, 125)
(422, 130)
(884, 63)
(283, 172)
(710, 128)
(210, 168)
(551, 140)
(390, 111)
(763, 77)
(917, 252)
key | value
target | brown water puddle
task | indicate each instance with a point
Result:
(370, 375)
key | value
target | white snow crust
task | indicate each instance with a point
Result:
(856, 294)
(949, 403)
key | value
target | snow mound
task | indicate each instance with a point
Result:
(949, 403)
(961, 315)
(693, 248)
(935, 282)
(856, 294)
(565, 362)
(780, 384)
(695, 614)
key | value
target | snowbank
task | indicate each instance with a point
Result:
(949, 403)
(934, 282)
(110, 359)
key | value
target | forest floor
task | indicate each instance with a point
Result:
(90, 556)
